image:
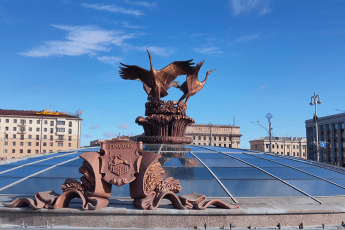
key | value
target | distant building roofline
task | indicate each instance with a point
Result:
(33, 113)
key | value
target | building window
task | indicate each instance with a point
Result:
(199, 138)
(20, 150)
(214, 138)
(204, 136)
(22, 121)
(69, 138)
(7, 120)
(267, 146)
(224, 145)
(70, 124)
(44, 151)
(30, 122)
(50, 143)
(29, 150)
(60, 122)
(37, 144)
(14, 120)
(14, 128)
(281, 146)
(45, 122)
(69, 144)
(44, 143)
(36, 151)
(51, 130)
(297, 146)
(30, 137)
(61, 144)
(37, 129)
(37, 137)
(22, 129)
(60, 137)
(22, 137)
(21, 143)
(38, 122)
(70, 132)
(6, 128)
(45, 129)
(51, 123)
(44, 136)
(272, 146)
(6, 143)
(30, 129)
(51, 137)
(29, 143)
(220, 138)
(13, 143)
(61, 130)
(13, 151)
(293, 147)
(14, 136)
(193, 137)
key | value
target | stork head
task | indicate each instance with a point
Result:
(150, 57)
(208, 72)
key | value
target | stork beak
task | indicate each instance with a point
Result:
(211, 71)
(148, 53)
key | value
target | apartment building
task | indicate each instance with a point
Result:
(214, 135)
(331, 130)
(32, 132)
(290, 146)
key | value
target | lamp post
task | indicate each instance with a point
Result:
(314, 100)
(269, 130)
(269, 116)
(210, 125)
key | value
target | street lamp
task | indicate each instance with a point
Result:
(314, 100)
(269, 116)
(269, 130)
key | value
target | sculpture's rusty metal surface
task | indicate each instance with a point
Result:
(166, 122)
(120, 162)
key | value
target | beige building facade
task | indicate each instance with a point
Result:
(290, 146)
(214, 135)
(25, 133)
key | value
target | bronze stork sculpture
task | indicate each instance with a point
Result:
(165, 121)
(157, 82)
(192, 85)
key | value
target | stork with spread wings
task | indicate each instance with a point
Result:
(192, 85)
(157, 82)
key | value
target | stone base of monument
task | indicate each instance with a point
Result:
(166, 122)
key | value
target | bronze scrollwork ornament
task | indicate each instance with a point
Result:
(119, 162)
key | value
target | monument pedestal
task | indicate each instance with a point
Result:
(166, 122)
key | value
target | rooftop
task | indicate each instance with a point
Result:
(33, 113)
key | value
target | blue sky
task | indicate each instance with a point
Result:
(269, 56)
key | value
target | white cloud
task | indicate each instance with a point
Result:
(106, 134)
(208, 50)
(113, 9)
(245, 38)
(94, 127)
(260, 7)
(109, 59)
(146, 4)
(86, 136)
(123, 126)
(80, 40)
(263, 86)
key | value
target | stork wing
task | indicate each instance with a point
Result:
(133, 72)
(192, 80)
(174, 69)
